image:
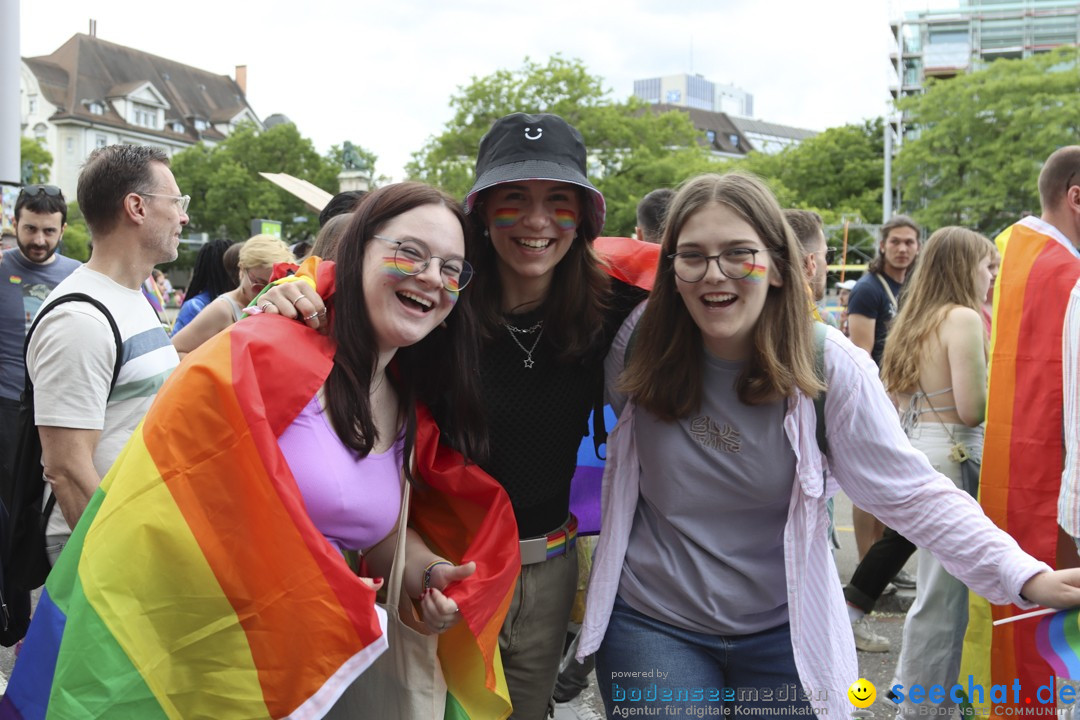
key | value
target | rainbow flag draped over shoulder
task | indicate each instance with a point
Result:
(195, 584)
(1022, 456)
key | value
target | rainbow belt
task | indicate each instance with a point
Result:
(557, 542)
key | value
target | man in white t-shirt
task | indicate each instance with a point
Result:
(135, 212)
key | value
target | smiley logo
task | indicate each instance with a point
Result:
(539, 132)
(862, 693)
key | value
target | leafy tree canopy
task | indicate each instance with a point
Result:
(227, 191)
(631, 149)
(979, 140)
(35, 161)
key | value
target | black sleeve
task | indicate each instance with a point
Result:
(866, 299)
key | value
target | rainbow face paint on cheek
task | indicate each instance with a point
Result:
(390, 267)
(755, 273)
(566, 219)
(506, 217)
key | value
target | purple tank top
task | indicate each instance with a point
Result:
(354, 502)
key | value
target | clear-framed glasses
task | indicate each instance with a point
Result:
(32, 190)
(182, 200)
(412, 257)
(735, 263)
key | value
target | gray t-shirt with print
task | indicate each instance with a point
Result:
(706, 551)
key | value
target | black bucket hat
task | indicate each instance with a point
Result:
(533, 147)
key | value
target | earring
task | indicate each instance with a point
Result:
(486, 233)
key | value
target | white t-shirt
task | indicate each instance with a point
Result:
(71, 359)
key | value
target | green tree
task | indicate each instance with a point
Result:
(979, 140)
(35, 162)
(77, 234)
(838, 172)
(227, 191)
(632, 150)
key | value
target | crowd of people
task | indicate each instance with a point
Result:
(740, 415)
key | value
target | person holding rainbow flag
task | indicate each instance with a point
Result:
(206, 578)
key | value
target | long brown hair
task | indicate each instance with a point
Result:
(943, 279)
(439, 371)
(664, 374)
(576, 299)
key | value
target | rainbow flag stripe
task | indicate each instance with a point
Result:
(506, 217)
(195, 585)
(1058, 641)
(1022, 456)
(566, 219)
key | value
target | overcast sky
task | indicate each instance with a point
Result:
(381, 73)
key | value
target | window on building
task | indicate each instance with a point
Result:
(145, 116)
(674, 96)
(177, 127)
(101, 141)
(200, 124)
(39, 131)
(33, 104)
(70, 145)
(96, 108)
(711, 135)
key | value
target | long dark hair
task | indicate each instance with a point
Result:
(577, 298)
(209, 274)
(439, 371)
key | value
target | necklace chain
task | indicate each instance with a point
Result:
(538, 328)
(525, 331)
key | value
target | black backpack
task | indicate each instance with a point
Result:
(25, 565)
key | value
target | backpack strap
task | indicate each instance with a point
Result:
(78, 297)
(28, 388)
(820, 331)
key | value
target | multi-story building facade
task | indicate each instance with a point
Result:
(723, 113)
(694, 91)
(91, 93)
(945, 42)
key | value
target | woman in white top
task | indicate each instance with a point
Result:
(713, 583)
(935, 367)
(257, 258)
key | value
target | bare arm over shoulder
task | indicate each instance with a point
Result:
(214, 318)
(964, 335)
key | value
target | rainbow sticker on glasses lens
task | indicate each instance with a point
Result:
(506, 217)
(754, 272)
(566, 219)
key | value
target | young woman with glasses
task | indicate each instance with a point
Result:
(548, 313)
(713, 583)
(257, 258)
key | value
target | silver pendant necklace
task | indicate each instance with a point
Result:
(538, 328)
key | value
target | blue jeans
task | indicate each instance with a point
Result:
(644, 662)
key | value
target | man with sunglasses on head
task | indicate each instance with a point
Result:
(28, 273)
(135, 213)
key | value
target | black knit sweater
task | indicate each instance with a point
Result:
(537, 416)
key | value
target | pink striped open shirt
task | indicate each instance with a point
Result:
(873, 462)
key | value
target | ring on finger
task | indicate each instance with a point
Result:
(297, 299)
(265, 304)
(312, 316)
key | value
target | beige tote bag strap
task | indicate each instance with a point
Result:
(888, 291)
(397, 570)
